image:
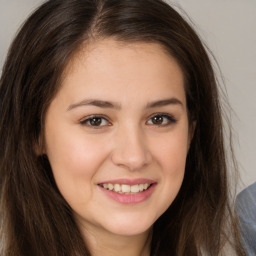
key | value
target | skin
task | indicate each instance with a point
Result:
(125, 144)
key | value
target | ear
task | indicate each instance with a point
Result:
(191, 132)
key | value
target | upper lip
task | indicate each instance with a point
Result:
(128, 181)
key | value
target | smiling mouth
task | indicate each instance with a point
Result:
(125, 188)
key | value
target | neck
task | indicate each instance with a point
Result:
(109, 244)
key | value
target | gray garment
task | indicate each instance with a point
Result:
(246, 210)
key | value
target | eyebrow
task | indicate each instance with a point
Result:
(95, 102)
(162, 103)
(115, 105)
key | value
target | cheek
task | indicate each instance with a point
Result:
(171, 152)
(74, 160)
(72, 152)
(172, 159)
(173, 166)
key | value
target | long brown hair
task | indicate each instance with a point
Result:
(35, 219)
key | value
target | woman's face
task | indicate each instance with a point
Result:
(117, 135)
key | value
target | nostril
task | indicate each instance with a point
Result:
(132, 161)
(130, 149)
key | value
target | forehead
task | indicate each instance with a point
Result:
(109, 65)
(96, 52)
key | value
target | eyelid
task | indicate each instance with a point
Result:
(170, 117)
(84, 121)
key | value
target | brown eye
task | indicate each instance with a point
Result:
(157, 120)
(95, 121)
(161, 120)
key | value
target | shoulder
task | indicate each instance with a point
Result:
(248, 192)
(246, 203)
(246, 212)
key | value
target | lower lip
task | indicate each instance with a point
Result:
(129, 198)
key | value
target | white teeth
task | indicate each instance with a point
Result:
(135, 188)
(110, 186)
(117, 188)
(126, 189)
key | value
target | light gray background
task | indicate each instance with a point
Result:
(229, 29)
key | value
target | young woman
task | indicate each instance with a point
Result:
(111, 135)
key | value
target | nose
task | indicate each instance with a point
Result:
(131, 150)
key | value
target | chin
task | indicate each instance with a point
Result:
(122, 231)
(129, 227)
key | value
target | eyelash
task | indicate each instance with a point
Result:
(169, 118)
(165, 118)
(86, 122)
